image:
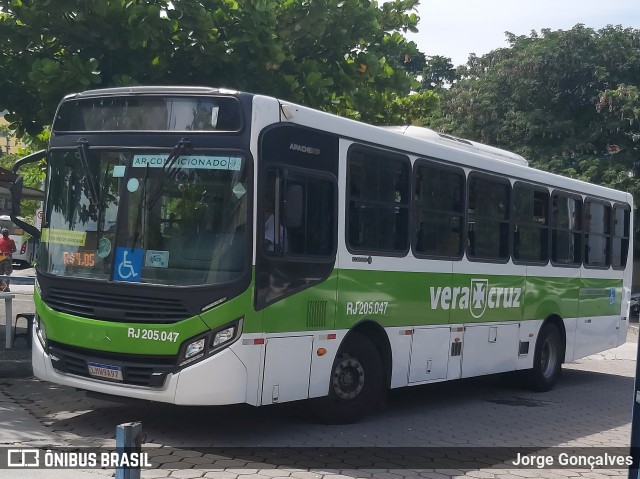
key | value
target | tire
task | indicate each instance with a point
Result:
(547, 360)
(356, 384)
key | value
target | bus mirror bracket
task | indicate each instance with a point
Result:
(16, 193)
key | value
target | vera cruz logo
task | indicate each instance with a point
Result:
(479, 290)
(477, 298)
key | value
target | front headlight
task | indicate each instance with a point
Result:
(207, 344)
(223, 336)
(194, 348)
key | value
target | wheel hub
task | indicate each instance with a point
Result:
(348, 378)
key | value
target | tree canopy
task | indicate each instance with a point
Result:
(566, 100)
(344, 56)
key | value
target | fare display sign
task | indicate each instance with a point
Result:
(81, 259)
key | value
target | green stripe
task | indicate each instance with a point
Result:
(349, 296)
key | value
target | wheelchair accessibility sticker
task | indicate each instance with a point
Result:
(128, 264)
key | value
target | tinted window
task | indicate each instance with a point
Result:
(621, 225)
(303, 224)
(530, 224)
(129, 113)
(438, 210)
(488, 219)
(378, 194)
(566, 229)
(597, 234)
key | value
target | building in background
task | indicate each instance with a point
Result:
(8, 142)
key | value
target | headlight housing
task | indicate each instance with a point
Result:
(205, 345)
(223, 336)
(194, 348)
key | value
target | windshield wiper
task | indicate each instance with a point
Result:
(169, 169)
(141, 206)
(83, 147)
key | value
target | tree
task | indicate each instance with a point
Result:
(438, 72)
(344, 56)
(566, 100)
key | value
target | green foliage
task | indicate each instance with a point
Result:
(438, 72)
(32, 174)
(566, 100)
(338, 55)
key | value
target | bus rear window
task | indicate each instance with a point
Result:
(150, 113)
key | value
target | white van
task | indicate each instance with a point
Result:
(24, 243)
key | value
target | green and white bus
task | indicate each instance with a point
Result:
(204, 246)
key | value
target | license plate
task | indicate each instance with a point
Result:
(105, 371)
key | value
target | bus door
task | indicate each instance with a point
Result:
(295, 257)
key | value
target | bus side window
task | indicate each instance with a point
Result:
(566, 230)
(438, 210)
(488, 218)
(621, 228)
(378, 202)
(530, 223)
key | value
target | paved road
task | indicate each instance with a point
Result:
(589, 408)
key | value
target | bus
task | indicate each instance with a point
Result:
(202, 246)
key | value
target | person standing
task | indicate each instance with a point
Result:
(7, 248)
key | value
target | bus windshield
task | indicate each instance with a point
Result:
(126, 217)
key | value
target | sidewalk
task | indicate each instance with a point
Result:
(18, 428)
(16, 362)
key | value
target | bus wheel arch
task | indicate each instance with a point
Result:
(559, 323)
(548, 355)
(355, 385)
(378, 336)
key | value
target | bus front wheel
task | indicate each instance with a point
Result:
(547, 360)
(356, 383)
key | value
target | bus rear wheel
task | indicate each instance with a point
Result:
(547, 360)
(356, 384)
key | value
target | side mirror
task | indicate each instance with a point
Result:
(294, 202)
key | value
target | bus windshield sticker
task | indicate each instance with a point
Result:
(239, 190)
(118, 171)
(203, 162)
(156, 259)
(133, 184)
(55, 236)
(128, 264)
(104, 247)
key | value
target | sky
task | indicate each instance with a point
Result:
(456, 28)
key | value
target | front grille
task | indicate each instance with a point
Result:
(116, 307)
(137, 370)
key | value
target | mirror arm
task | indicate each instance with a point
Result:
(16, 193)
(32, 158)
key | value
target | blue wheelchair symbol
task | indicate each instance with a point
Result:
(128, 264)
(612, 296)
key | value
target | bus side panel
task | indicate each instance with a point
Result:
(493, 350)
(395, 300)
(557, 295)
(294, 328)
(598, 313)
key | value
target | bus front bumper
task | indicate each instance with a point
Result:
(220, 379)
